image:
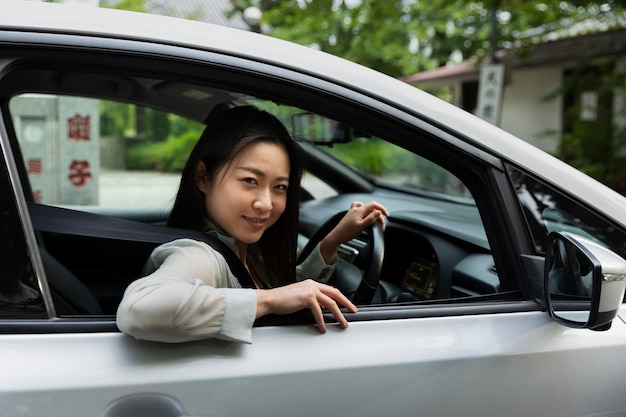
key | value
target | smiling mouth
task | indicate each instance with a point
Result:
(256, 220)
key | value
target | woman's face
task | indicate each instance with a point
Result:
(248, 194)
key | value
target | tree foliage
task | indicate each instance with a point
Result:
(131, 5)
(401, 37)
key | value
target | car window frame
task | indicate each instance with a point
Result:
(350, 104)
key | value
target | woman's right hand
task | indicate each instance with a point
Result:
(304, 294)
(357, 218)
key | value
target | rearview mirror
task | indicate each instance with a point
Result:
(583, 282)
(313, 128)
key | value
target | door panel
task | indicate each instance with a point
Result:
(514, 364)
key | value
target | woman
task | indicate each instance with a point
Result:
(242, 185)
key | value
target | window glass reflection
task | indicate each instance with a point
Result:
(547, 210)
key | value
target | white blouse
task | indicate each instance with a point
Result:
(189, 293)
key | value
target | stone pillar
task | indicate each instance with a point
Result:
(59, 139)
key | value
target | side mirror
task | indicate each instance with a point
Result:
(583, 282)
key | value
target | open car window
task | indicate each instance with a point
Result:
(118, 159)
(99, 153)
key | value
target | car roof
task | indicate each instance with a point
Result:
(22, 16)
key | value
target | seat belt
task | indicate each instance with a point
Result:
(65, 221)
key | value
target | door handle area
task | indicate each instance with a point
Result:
(139, 405)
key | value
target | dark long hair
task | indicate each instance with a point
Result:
(227, 134)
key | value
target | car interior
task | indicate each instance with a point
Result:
(434, 248)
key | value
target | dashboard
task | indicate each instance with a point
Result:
(430, 253)
(426, 265)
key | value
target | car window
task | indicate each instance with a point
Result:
(373, 157)
(547, 210)
(99, 153)
(419, 265)
(390, 164)
(97, 157)
(130, 156)
(124, 160)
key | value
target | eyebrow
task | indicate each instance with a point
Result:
(260, 173)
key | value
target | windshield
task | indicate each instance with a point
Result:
(379, 160)
(392, 165)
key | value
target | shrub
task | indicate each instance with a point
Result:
(167, 156)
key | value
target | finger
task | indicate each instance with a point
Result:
(378, 211)
(378, 206)
(382, 221)
(316, 309)
(332, 306)
(373, 217)
(337, 296)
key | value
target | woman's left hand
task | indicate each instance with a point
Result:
(358, 217)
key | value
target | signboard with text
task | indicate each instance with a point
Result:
(490, 93)
(59, 138)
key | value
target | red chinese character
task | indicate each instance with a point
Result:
(78, 128)
(38, 196)
(34, 166)
(79, 173)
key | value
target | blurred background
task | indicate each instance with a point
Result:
(551, 73)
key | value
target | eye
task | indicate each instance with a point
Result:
(249, 180)
(281, 187)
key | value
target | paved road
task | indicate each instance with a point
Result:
(137, 189)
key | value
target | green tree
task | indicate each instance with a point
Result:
(131, 5)
(401, 37)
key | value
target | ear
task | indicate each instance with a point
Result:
(200, 175)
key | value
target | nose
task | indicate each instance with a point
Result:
(263, 200)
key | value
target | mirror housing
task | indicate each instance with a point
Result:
(583, 282)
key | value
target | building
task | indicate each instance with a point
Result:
(532, 106)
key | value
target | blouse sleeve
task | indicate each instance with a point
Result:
(188, 294)
(314, 267)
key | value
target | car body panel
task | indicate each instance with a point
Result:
(490, 365)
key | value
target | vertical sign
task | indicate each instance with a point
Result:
(60, 142)
(490, 92)
(79, 150)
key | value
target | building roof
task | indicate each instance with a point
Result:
(574, 49)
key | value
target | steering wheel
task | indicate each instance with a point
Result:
(375, 254)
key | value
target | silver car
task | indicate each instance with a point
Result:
(496, 289)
